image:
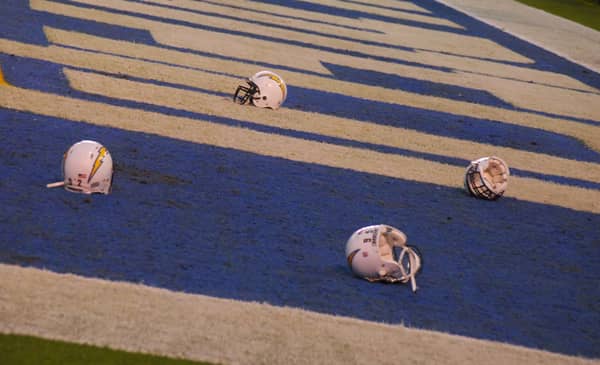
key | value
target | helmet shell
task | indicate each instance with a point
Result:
(487, 178)
(271, 90)
(370, 254)
(88, 168)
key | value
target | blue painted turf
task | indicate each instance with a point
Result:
(48, 77)
(220, 222)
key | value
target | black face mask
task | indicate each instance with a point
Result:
(244, 93)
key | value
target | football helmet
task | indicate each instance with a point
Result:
(487, 178)
(87, 168)
(380, 253)
(265, 89)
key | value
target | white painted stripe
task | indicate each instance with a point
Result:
(144, 319)
(348, 129)
(587, 133)
(286, 13)
(524, 94)
(374, 8)
(438, 41)
(294, 149)
(249, 12)
(308, 59)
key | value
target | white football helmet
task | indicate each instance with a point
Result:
(265, 89)
(487, 178)
(87, 168)
(371, 255)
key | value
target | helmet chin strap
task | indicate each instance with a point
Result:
(398, 239)
(56, 184)
(415, 265)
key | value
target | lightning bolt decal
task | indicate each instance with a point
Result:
(281, 84)
(98, 162)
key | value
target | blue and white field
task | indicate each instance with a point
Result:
(223, 238)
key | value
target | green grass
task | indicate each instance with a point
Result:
(584, 12)
(27, 350)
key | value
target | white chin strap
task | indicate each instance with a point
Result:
(413, 267)
(409, 270)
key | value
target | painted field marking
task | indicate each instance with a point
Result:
(290, 148)
(217, 40)
(392, 7)
(589, 134)
(524, 94)
(268, 12)
(308, 59)
(119, 310)
(288, 13)
(413, 37)
(171, 34)
(349, 129)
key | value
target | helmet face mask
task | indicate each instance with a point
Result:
(380, 253)
(244, 93)
(265, 89)
(87, 168)
(487, 178)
